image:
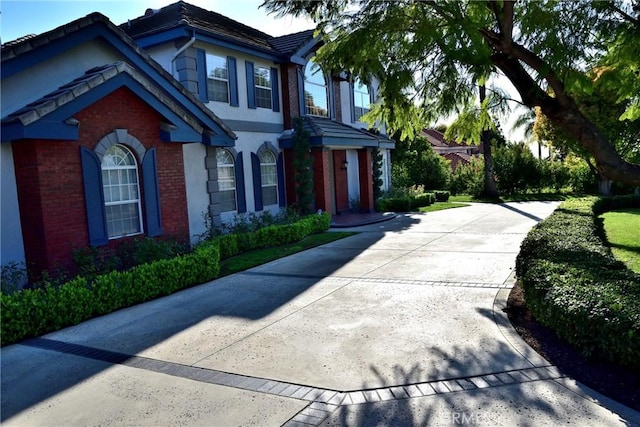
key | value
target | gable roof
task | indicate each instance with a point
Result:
(290, 43)
(181, 19)
(17, 56)
(52, 112)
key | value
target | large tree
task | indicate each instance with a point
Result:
(432, 55)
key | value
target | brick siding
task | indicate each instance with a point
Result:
(50, 185)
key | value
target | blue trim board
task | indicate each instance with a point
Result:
(51, 49)
(206, 37)
(55, 128)
(164, 36)
(42, 129)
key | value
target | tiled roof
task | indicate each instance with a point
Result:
(332, 132)
(182, 13)
(30, 42)
(23, 45)
(90, 80)
(291, 42)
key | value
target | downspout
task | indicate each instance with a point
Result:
(184, 47)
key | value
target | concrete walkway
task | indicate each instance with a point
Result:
(401, 324)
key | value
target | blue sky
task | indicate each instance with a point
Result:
(21, 17)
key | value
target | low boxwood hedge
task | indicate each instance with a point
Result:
(33, 312)
(574, 285)
(406, 203)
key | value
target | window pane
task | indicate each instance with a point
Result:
(315, 91)
(226, 180)
(361, 99)
(217, 78)
(270, 195)
(262, 77)
(227, 200)
(218, 90)
(268, 174)
(263, 97)
(121, 192)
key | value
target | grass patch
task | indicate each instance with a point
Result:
(623, 235)
(262, 256)
(524, 197)
(439, 206)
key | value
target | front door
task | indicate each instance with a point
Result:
(340, 179)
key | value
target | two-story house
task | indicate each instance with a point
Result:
(140, 130)
(257, 84)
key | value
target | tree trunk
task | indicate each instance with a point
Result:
(490, 189)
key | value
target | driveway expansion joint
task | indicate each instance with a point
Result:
(322, 402)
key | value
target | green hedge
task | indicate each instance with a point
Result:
(442, 196)
(272, 235)
(405, 203)
(575, 286)
(33, 312)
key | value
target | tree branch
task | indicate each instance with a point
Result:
(523, 54)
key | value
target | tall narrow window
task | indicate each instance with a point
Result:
(361, 99)
(262, 80)
(226, 180)
(217, 78)
(121, 189)
(316, 98)
(269, 178)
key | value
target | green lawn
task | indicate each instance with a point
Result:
(438, 206)
(623, 234)
(255, 258)
(524, 197)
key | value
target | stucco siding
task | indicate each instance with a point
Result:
(11, 244)
(39, 80)
(196, 186)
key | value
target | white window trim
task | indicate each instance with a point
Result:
(219, 79)
(138, 201)
(269, 88)
(274, 164)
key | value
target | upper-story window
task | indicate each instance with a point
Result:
(217, 78)
(121, 192)
(361, 99)
(262, 81)
(226, 180)
(316, 95)
(268, 177)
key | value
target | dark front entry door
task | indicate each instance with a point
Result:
(340, 180)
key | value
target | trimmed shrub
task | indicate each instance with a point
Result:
(442, 196)
(575, 286)
(421, 200)
(32, 312)
(394, 204)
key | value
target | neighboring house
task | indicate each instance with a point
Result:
(257, 84)
(96, 138)
(145, 129)
(457, 153)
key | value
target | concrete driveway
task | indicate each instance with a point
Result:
(401, 324)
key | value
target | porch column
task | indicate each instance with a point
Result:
(366, 180)
(322, 179)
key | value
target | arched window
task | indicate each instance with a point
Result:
(121, 189)
(269, 178)
(316, 96)
(226, 180)
(361, 99)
